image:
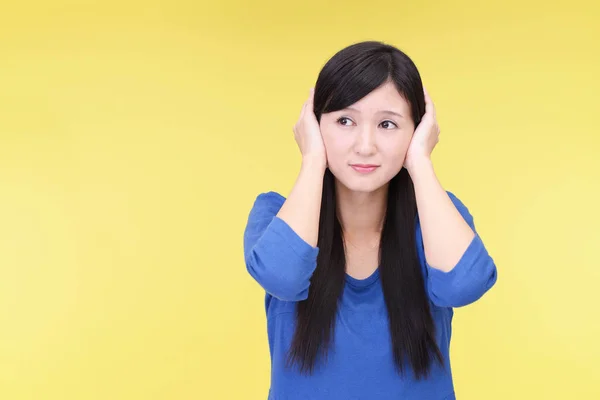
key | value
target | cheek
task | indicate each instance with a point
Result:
(396, 147)
(334, 141)
(404, 144)
(327, 136)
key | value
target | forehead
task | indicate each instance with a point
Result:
(384, 97)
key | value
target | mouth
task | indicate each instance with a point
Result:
(364, 168)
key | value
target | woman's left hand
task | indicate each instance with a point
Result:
(424, 139)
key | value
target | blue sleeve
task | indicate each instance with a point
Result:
(276, 257)
(473, 275)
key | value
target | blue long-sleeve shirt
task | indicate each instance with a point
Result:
(361, 365)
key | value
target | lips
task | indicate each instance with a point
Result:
(364, 168)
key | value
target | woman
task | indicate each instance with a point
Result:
(364, 261)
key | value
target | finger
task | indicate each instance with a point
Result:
(429, 106)
(311, 99)
(302, 112)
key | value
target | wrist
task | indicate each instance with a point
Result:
(314, 163)
(419, 165)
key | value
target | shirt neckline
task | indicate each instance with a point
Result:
(363, 282)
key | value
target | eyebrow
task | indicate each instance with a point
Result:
(380, 111)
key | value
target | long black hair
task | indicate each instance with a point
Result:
(347, 77)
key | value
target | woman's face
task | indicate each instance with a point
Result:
(366, 143)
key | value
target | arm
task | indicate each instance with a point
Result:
(302, 209)
(446, 235)
(280, 240)
(277, 251)
(458, 268)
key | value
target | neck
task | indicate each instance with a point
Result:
(361, 214)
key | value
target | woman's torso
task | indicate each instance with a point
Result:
(360, 364)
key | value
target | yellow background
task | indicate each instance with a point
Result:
(135, 135)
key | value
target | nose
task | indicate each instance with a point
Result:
(364, 144)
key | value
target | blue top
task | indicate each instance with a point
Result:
(360, 363)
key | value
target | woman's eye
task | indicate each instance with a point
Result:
(343, 120)
(393, 125)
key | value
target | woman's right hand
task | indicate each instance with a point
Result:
(308, 134)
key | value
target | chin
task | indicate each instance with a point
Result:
(361, 184)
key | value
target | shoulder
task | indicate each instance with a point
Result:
(460, 206)
(270, 198)
(462, 209)
(263, 212)
(457, 202)
(265, 207)
(267, 202)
